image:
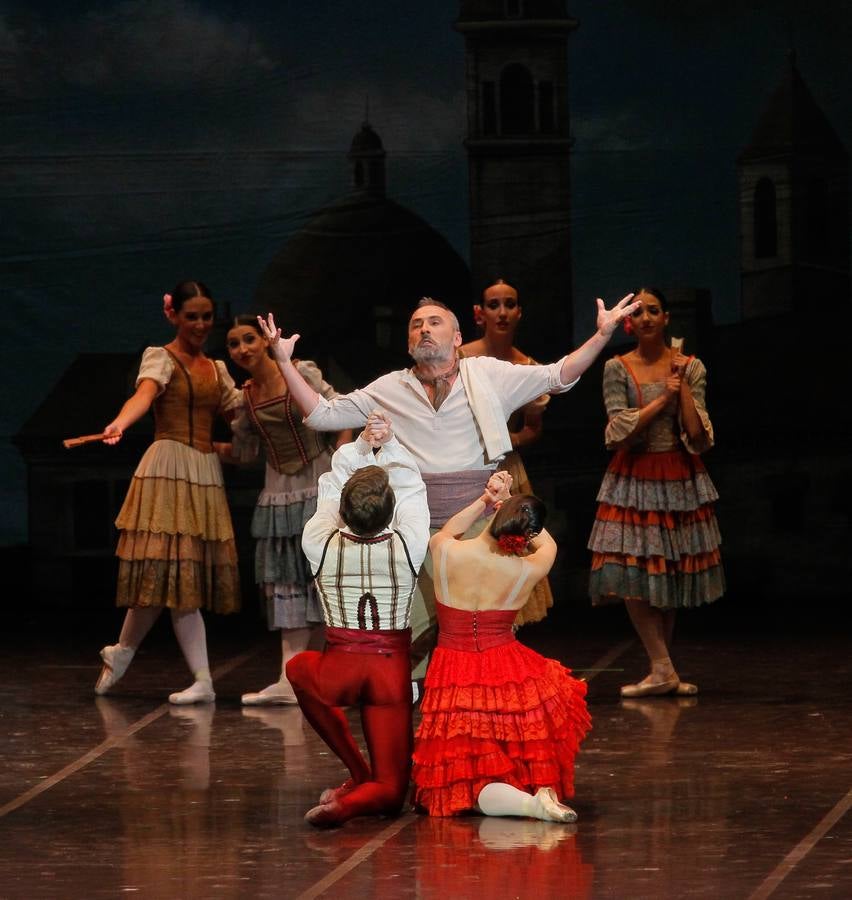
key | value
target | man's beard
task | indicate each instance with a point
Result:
(431, 353)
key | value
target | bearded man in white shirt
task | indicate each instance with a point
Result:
(450, 414)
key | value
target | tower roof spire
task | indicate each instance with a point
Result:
(367, 155)
(792, 122)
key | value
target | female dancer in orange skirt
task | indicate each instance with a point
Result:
(176, 546)
(655, 541)
(500, 724)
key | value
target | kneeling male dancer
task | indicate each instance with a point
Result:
(365, 543)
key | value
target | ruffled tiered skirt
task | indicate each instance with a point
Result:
(500, 715)
(176, 546)
(284, 506)
(655, 535)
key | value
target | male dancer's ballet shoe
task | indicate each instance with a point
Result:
(116, 660)
(552, 809)
(278, 694)
(336, 793)
(326, 815)
(197, 692)
(647, 688)
(686, 689)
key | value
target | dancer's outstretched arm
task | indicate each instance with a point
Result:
(282, 349)
(608, 320)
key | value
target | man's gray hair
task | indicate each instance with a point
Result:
(431, 301)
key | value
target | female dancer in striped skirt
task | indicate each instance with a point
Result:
(655, 541)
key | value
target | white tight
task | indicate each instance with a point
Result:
(498, 799)
(189, 631)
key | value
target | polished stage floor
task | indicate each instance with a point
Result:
(742, 792)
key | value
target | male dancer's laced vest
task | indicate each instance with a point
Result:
(366, 583)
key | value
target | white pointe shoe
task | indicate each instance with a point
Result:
(198, 692)
(552, 809)
(116, 660)
(278, 694)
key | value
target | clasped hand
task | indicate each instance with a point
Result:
(498, 488)
(378, 429)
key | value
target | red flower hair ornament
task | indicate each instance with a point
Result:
(168, 307)
(512, 543)
(627, 325)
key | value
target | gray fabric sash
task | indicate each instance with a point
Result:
(448, 492)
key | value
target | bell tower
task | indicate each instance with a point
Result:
(794, 206)
(518, 146)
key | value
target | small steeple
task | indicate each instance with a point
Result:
(367, 156)
(792, 123)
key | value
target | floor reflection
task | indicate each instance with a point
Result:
(177, 833)
(286, 719)
(490, 856)
(661, 714)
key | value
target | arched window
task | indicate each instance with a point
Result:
(517, 100)
(765, 220)
(359, 174)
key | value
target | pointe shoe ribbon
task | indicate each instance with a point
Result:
(650, 688)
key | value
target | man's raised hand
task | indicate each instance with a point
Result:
(610, 319)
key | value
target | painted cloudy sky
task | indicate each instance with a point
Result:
(103, 205)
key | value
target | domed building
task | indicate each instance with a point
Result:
(348, 280)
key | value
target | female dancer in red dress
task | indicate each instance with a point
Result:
(500, 724)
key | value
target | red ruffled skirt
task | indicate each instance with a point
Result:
(500, 714)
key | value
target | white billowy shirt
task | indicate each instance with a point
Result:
(368, 583)
(448, 439)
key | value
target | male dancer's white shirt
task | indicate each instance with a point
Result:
(368, 583)
(448, 439)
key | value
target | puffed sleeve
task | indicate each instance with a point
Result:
(245, 442)
(312, 373)
(157, 365)
(229, 397)
(622, 419)
(696, 378)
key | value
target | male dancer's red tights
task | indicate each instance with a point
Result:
(378, 683)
